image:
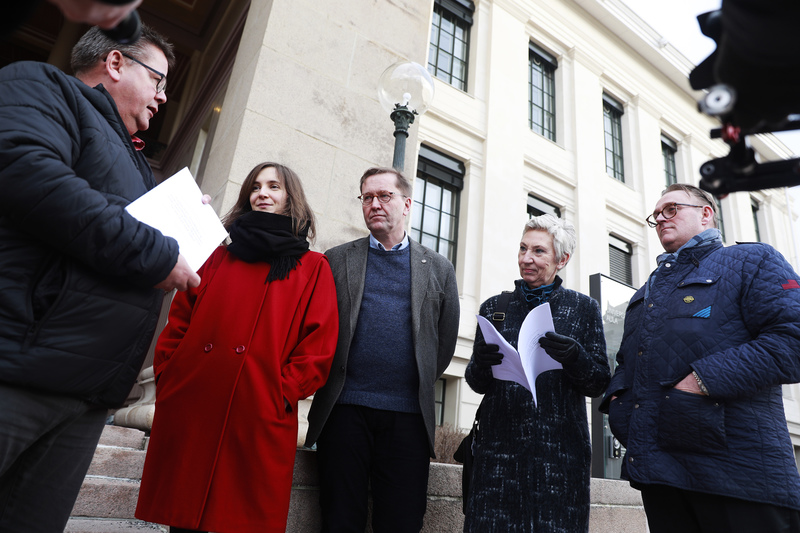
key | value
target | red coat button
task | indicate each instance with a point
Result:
(239, 349)
(207, 348)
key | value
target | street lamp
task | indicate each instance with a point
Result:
(405, 89)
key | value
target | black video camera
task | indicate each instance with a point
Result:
(753, 83)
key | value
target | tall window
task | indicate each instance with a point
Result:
(449, 46)
(434, 216)
(755, 208)
(619, 260)
(438, 399)
(720, 219)
(537, 207)
(542, 92)
(612, 124)
(668, 150)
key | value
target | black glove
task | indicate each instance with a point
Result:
(486, 355)
(560, 347)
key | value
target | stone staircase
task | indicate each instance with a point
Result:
(108, 496)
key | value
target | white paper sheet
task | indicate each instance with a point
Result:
(525, 365)
(175, 208)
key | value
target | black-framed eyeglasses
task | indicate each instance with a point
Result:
(383, 197)
(669, 211)
(161, 86)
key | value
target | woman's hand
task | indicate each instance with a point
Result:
(561, 348)
(487, 355)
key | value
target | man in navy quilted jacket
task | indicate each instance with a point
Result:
(696, 398)
(79, 276)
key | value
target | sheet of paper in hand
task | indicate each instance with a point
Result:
(523, 366)
(175, 208)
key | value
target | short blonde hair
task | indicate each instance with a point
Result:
(563, 233)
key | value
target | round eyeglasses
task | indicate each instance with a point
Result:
(669, 211)
(383, 197)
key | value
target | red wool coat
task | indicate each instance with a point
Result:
(222, 447)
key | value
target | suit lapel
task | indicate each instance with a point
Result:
(356, 272)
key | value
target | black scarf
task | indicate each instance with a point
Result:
(260, 236)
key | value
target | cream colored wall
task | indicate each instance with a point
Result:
(303, 92)
(486, 127)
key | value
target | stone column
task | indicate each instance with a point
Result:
(303, 92)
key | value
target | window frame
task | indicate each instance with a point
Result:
(439, 401)
(720, 218)
(669, 151)
(612, 116)
(542, 206)
(458, 14)
(623, 248)
(437, 169)
(546, 71)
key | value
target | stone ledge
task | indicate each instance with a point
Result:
(94, 525)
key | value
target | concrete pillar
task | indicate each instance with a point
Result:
(303, 92)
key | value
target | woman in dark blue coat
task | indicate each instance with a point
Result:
(531, 468)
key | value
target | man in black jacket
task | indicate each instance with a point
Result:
(78, 275)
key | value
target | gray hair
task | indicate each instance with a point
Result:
(94, 47)
(563, 233)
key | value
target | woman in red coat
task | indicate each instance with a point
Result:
(237, 355)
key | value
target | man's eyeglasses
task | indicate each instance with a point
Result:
(669, 211)
(383, 197)
(162, 81)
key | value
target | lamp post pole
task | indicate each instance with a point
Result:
(405, 90)
(402, 117)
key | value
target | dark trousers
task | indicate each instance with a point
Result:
(670, 510)
(362, 447)
(46, 444)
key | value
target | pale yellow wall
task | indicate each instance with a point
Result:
(303, 93)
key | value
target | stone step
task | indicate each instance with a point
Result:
(123, 463)
(123, 437)
(96, 525)
(103, 497)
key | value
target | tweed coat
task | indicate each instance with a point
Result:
(223, 444)
(434, 319)
(532, 462)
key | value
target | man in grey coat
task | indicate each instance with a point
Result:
(374, 420)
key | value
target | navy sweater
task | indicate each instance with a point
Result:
(382, 370)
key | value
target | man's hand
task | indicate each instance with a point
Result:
(182, 277)
(689, 384)
(95, 13)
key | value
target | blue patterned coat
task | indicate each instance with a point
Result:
(531, 469)
(733, 316)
